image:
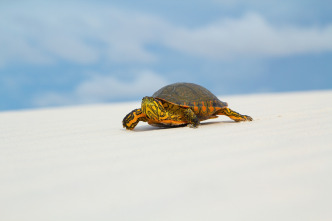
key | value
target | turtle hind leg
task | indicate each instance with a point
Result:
(131, 120)
(234, 115)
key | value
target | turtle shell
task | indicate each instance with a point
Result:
(188, 95)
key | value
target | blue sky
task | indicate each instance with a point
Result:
(78, 52)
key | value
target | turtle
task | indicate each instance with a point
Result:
(180, 104)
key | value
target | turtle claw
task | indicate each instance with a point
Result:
(243, 118)
(247, 118)
(193, 126)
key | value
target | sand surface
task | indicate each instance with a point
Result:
(78, 163)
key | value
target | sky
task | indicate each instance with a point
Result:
(58, 53)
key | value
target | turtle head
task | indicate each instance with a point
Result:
(153, 109)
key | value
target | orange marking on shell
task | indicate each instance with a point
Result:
(196, 109)
(173, 122)
(170, 122)
(211, 108)
(203, 107)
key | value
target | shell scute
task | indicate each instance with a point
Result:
(189, 95)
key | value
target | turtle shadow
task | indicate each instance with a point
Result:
(218, 122)
(145, 128)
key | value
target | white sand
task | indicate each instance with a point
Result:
(79, 164)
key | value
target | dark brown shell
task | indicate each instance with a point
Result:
(188, 94)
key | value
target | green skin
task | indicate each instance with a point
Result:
(159, 113)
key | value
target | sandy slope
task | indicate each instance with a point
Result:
(79, 164)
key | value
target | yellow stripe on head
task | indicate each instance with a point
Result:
(153, 109)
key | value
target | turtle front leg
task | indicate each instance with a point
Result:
(191, 117)
(234, 115)
(131, 120)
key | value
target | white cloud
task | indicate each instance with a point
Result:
(85, 33)
(109, 88)
(15, 49)
(290, 10)
(100, 88)
(250, 36)
(79, 33)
